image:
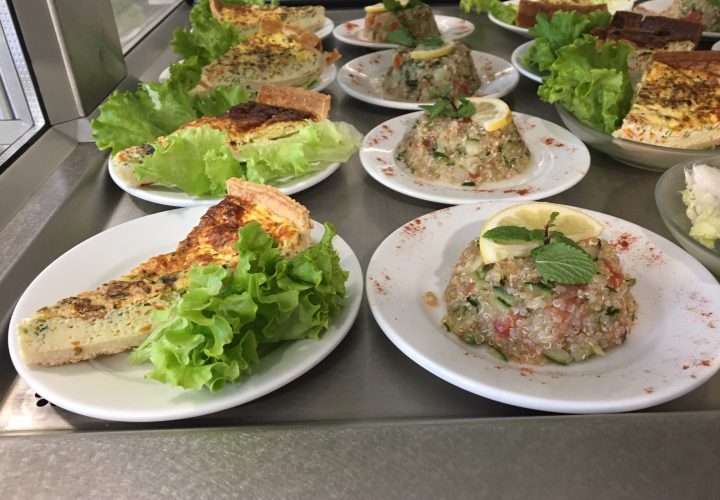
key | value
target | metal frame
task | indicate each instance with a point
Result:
(21, 107)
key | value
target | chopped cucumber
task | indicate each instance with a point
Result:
(496, 353)
(502, 297)
(558, 355)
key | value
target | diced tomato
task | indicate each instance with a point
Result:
(502, 325)
(397, 61)
(464, 88)
(694, 17)
(427, 143)
(394, 25)
(465, 121)
(616, 279)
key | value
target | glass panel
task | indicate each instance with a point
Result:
(20, 113)
(134, 18)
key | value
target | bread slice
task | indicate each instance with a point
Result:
(246, 18)
(277, 112)
(120, 314)
(677, 101)
(277, 54)
(649, 34)
(528, 9)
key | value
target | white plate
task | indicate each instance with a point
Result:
(326, 29)
(510, 27)
(175, 198)
(326, 77)
(362, 78)
(674, 346)
(656, 7)
(558, 159)
(517, 58)
(716, 46)
(351, 32)
(112, 389)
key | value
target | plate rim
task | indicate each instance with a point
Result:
(581, 149)
(507, 396)
(408, 105)
(516, 60)
(190, 216)
(360, 22)
(510, 27)
(185, 200)
(326, 30)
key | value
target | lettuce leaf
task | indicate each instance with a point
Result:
(562, 29)
(156, 109)
(590, 82)
(503, 11)
(198, 160)
(227, 320)
(207, 38)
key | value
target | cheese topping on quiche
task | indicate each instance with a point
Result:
(677, 102)
(278, 54)
(246, 18)
(120, 314)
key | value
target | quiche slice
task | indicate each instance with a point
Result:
(118, 315)
(246, 18)
(278, 53)
(677, 102)
(277, 112)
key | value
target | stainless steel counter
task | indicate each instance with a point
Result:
(367, 421)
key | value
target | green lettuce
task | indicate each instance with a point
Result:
(227, 320)
(156, 109)
(503, 11)
(206, 38)
(590, 82)
(199, 161)
(562, 29)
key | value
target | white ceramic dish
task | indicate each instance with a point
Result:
(716, 46)
(326, 29)
(362, 78)
(351, 32)
(657, 7)
(518, 58)
(326, 77)
(110, 388)
(559, 160)
(510, 27)
(175, 198)
(673, 348)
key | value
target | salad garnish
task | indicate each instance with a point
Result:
(446, 106)
(557, 258)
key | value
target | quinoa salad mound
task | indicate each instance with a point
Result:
(525, 317)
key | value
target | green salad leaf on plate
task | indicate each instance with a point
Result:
(199, 161)
(562, 29)
(229, 319)
(502, 11)
(591, 82)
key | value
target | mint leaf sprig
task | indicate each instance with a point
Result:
(446, 106)
(403, 36)
(558, 259)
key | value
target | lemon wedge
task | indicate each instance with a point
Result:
(432, 53)
(375, 8)
(491, 113)
(573, 223)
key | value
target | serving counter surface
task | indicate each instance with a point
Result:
(367, 420)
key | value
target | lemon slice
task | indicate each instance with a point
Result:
(571, 222)
(491, 113)
(435, 52)
(375, 8)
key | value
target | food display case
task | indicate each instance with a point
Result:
(366, 421)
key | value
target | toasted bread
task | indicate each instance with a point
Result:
(119, 314)
(528, 9)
